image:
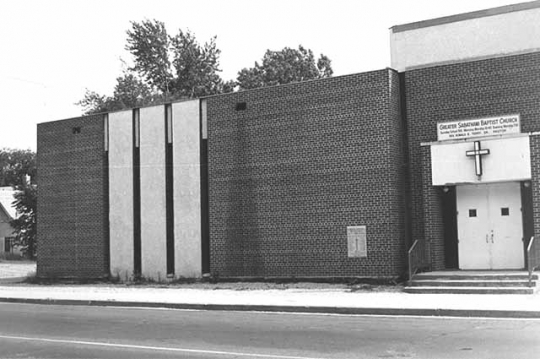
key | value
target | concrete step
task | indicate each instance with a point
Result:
(519, 283)
(469, 290)
(474, 276)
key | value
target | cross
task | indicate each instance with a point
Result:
(478, 152)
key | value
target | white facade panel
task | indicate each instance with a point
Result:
(509, 159)
(474, 38)
(121, 194)
(153, 210)
(187, 189)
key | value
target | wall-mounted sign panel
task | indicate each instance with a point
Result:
(357, 241)
(504, 160)
(481, 127)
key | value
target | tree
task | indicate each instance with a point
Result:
(177, 64)
(15, 166)
(25, 224)
(130, 91)
(150, 45)
(165, 68)
(196, 67)
(283, 67)
(92, 102)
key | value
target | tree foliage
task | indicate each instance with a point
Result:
(15, 164)
(283, 67)
(130, 91)
(196, 67)
(25, 224)
(171, 67)
(150, 46)
(165, 68)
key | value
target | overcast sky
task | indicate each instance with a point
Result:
(51, 50)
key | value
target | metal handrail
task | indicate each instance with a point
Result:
(413, 259)
(533, 258)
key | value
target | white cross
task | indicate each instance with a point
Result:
(478, 152)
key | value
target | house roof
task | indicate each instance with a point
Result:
(6, 201)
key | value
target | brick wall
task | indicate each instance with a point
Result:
(72, 211)
(288, 174)
(492, 87)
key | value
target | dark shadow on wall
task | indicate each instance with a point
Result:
(239, 249)
(252, 259)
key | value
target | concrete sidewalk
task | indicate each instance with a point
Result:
(332, 301)
(326, 299)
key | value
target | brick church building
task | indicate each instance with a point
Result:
(337, 177)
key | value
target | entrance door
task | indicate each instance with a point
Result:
(473, 227)
(506, 226)
(490, 226)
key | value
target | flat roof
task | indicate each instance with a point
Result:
(467, 16)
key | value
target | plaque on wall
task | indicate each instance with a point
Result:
(357, 241)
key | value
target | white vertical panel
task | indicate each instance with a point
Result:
(121, 193)
(204, 120)
(153, 214)
(187, 193)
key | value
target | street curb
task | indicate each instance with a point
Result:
(438, 312)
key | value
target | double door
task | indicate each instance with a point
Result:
(490, 231)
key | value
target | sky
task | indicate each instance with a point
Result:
(52, 50)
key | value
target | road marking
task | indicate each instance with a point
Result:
(147, 347)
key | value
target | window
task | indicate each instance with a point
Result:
(8, 244)
(241, 106)
(472, 212)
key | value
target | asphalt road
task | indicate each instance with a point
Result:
(50, 331)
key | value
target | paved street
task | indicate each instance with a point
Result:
(51, 331)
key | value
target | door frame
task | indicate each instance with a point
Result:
(527, 215)
(449, 210)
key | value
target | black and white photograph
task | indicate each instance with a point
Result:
(287, 179)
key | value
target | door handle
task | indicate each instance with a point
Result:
(487, 238)
(492, 237)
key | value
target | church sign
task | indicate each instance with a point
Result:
(490, 126)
